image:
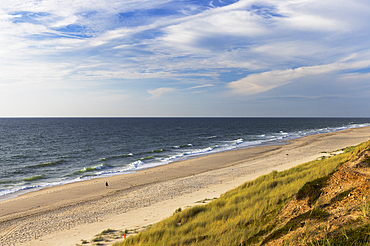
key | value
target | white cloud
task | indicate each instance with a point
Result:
(215, 24)
(262, 82)
(291, 49)
(156, 93)
(200, 86)
(313, 23)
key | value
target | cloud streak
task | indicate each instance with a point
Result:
(157, 93)
(262, 82)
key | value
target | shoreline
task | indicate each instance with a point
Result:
(13, 192)
(83, 209)
(35, 189)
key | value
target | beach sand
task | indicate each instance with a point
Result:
(63, 215)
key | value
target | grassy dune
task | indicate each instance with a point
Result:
(242, 215)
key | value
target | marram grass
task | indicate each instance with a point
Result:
(238, 216)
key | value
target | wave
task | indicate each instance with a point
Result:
(90, 169)
(129, 168)
(8, 181)
(136, 164)
(34, 178)
(146, 158)
(157, 151)
(141, 164)
(182, 146)
(281, 135)
(5, 192)
(19, 156)
(116, 156)
(239, 141)
(53, 163)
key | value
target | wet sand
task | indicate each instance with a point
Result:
(63, 215)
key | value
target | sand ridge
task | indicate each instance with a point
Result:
(65, 214)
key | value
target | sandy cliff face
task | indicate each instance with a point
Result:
(342, 205)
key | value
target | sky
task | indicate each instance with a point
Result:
(184, 58)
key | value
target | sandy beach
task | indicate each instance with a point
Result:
(63, 215)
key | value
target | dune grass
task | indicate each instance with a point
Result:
(352, 237)
(240, 216)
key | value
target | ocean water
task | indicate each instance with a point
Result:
(44, 152)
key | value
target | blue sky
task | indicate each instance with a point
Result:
(184, 58)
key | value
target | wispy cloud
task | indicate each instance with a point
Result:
(156, 93)
(262, 82)
(200, 86)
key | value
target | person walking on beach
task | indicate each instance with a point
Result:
(106, 184)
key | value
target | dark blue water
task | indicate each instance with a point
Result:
(43, 152)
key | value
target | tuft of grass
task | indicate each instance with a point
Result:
(177, 210)
(107, 231)
(97, 239)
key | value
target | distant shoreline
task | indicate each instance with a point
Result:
(83, 209)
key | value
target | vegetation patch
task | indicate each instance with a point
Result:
(97, 239)
(107, 231)
(356, 236)
(206, 200)
(177, 211)
(263, 224)
(257, 237)
(343, 195)
(296, 222)
(312, 189)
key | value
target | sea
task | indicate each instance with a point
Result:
(36, 153)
